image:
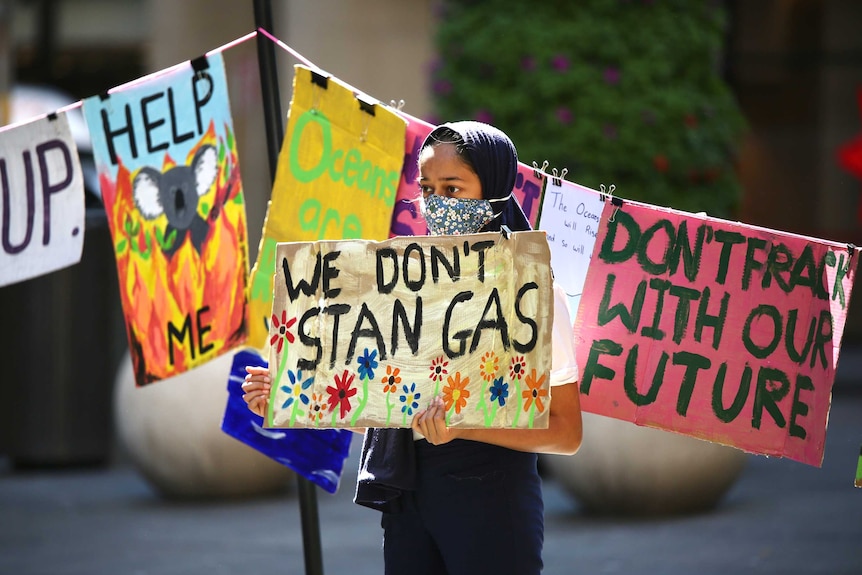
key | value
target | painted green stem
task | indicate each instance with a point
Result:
(484, 408)
(294, 410)
(388, 408)
(362, 402)
(275, 385)
(519, 401)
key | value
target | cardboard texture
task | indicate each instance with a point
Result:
(366, 333)
(337, 178)
(714, 329)
(41, 199)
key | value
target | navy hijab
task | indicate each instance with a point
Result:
(493, 157)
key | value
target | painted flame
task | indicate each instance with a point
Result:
(158, 290)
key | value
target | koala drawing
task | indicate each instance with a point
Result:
(175, 193)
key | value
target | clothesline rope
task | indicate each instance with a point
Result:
(232, 44)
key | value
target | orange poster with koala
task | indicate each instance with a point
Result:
(170, 180)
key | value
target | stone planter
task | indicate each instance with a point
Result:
(171, 432)
(625, 469)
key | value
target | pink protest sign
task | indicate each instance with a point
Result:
(714, 329)
(406, 219)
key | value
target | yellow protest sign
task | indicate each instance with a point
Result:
(365, 333)
(337, 176)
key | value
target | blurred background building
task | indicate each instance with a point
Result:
(794, 67)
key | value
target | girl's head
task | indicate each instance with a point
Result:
(470, 169)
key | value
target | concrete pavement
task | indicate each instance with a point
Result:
(780, 517)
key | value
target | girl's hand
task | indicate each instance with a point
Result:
(431, 423)
(257, 385)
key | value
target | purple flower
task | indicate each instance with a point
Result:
(528, 63)
(564, 115)
(610, 132)
(560, 63)
(485, 116)
(612, 76)
(435, 65)
(442, 87)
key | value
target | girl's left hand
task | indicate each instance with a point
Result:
(431, 423)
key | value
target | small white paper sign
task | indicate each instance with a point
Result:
(570, 216)
(41, 199)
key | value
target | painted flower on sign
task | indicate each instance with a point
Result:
(499, 391)
(438, 369)
(455, 394)
(517, 367)
(391, 380)
(410, 399)
(295, 388)
(283, 332)
(339, 396)
(367, 364)
(534, 391)
(489, 365)
(317, 407)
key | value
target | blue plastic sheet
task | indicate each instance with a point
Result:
(316, 454)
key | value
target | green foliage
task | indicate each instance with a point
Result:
(625, 92)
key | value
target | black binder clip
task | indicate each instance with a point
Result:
(200, 65)
(608, 195)
(365, 104)
(506, 232)
(319, 79)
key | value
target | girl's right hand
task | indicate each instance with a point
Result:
(257, 385)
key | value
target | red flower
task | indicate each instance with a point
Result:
(661, 163)
(517, 368)
(283, 326)
(438, 369)
(342, 392)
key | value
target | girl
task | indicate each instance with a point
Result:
(464, 501)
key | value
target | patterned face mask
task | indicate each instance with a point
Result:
(455, 216)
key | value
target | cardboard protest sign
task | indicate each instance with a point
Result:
(42, 201)
(406, 219)
(170, 181)
(528, 192)
(316, 454)
(337, 177)
(714, 329)
(570, 216)
(366, 333)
